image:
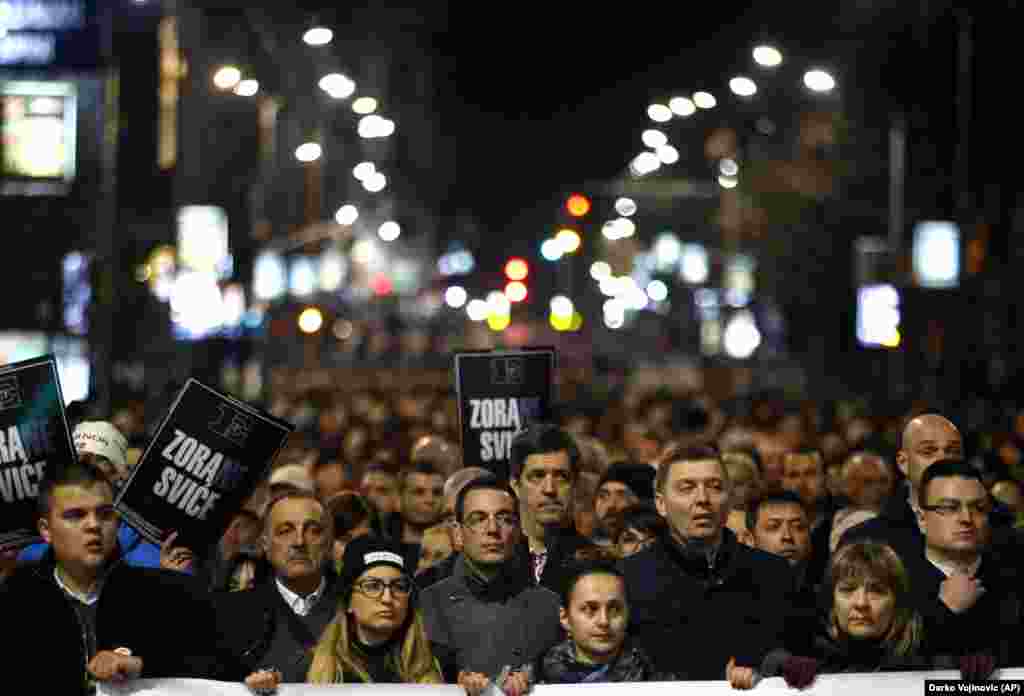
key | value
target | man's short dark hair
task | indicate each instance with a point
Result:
(946, 468)
(643, 517)
(542, 438)
(422, 466)
(489, 482)
(581, 569)
(677, 452)
(78, 473)
(775, 498)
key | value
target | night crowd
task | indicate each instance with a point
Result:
(654, 536)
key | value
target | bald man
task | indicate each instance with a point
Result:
(925, 440)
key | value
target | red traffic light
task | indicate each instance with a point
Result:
(517, 269)
(578, 205)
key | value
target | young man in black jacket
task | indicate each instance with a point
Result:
(88, 616)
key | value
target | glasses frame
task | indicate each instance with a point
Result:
(945, 511)
(502, 520)
(359, 586)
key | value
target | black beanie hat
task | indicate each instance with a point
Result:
(365, 552)
(639, 478)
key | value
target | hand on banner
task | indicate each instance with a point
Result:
(264, 681)
(115, 665)
(473, 682)
(516, 684)
(960, 592)
(175, 557)
(739, 677)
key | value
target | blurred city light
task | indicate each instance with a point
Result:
(667, 251)
(728, 182)
(476, 310)
(599, 270)
(343, 329)
(308, 152)
(681, 106)
(382, 284)
(516, 291)
(347, 214)
(516, 269)
(375, 183)
(694, 266)
(667, 154)
(657, 290)
(458, 262)
(654, 138)
(455, 296)
(227, 77)
(197, 306)
(645, 163)
(363, 170)
(936, 254)
(247, 88)
(619, 228)
(562, 306)
(560, 322)
(302, 276)
(659, 113)
(551, 249)
(498, 322)
(569, 240)
(374, 126)
(625, 207)
(878, 315)
(743, 86)
(728, 167)
(819, 81)
(389, 231)
(318, 36)
(704, 100)
(310, 320)
(741, 337)
(365, 251)
(498, 304)
(337, 85)
(269, 276)
(767, 56)
(578, 205)
(333, 269)
(364, 105)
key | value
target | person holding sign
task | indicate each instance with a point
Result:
(92, 615)
(377, 635)
(274, 626)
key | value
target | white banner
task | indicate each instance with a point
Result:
(879, 684)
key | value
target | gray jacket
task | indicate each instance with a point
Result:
(485, 627)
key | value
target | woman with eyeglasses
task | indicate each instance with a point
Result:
(377, 635)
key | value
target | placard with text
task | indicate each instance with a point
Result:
(208, 455)
(501, 393)
(34, 435)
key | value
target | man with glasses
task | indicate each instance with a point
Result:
(970, 598)
(488, 622)
(440, 570)
(274, 625)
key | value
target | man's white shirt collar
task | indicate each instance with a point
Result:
(88, 599)
(299, 604)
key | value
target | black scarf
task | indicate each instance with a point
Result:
(560, 666)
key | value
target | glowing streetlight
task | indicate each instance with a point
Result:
(599, 270)
(308, 152)
(389, 231)
(569, 240)
(337, 85)
(455, 296)
(767, 56)
(476, 310)
(742, 86)
(625, 206)
(347, 214)
(227, 77)
(247, 88)
(363, 170)
(681, 106)
(654, 138)
(375, 183)
(310, 320)
(318, 36)
(728, 167)
(659, 113)
(704, 100)
(727, 182)
(819, 81)
(364, 105)
(667, 154)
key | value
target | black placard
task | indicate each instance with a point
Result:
(34, 435)
(501, 393)
(208, 455)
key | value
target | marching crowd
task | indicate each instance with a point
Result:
(681, 546)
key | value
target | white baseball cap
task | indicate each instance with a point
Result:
(104, 439)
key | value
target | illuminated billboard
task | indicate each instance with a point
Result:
(38, 126)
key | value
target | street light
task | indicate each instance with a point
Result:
(659, 113)
(681, 106)
(704, 100)
(227, 77)
(364, 105)
(318, 36)
(654, 138)
(767, 56)
(347, 214)
(247, 88)
(819, 81)
(308, 152)
(337, 85)
(742, 86)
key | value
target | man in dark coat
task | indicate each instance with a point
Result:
(89, 616)
(699, 598)
(276, 624)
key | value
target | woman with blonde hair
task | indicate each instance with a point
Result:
(871, 624)
(377, 635)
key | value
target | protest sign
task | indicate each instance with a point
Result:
(501, 393)
(1004, 681)
(34, 435)
(205, 459)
